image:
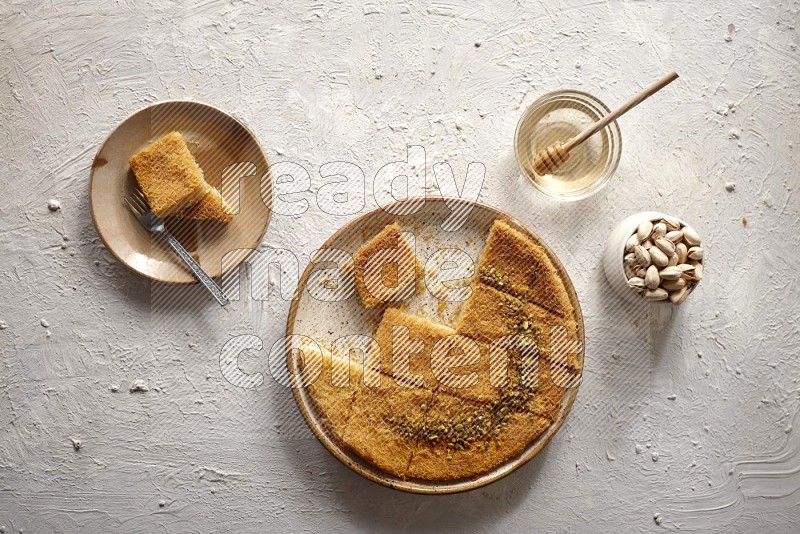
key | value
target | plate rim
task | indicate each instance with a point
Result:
(94, 167)
(379, 476)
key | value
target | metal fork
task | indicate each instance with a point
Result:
(137, 203)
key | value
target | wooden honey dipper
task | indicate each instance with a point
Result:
(551, 158)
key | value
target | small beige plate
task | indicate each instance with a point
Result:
(222, 146)
(323, 320)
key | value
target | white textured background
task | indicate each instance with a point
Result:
(695, 423)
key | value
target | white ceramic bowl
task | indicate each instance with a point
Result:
(615, 252)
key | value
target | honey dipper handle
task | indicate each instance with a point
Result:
(614, 115)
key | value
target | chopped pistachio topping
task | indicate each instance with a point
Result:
(492, 277)
(514, 311)
(460, 433)
(457, 434)
(490, 418)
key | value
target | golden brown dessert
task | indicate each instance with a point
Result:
(551, 385)
(490, 314)
(372, 431)
(456, 403)
(413, 425)
(386, 268)
(212, 207)
(333, 384)
(511, 262)
(361, 417)
(460, 437)
(469, 440)
(168, 175)
(417, 351)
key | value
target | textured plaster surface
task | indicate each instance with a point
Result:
(115, 415)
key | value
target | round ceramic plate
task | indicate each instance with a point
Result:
(433, 227)
(223, 147)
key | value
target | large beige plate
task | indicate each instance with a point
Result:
(220, 144)
(324, 321)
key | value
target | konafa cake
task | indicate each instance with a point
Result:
(173, 182)
(490, 314)
(412, 425)
(511, 262)
(211, 207)
(417, 351)
(333, 384)
(386, 268)
(362, 417)
(454, 401)
(372, 431)
(168, 175)
(466, 441)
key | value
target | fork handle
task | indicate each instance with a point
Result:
(198, 271)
